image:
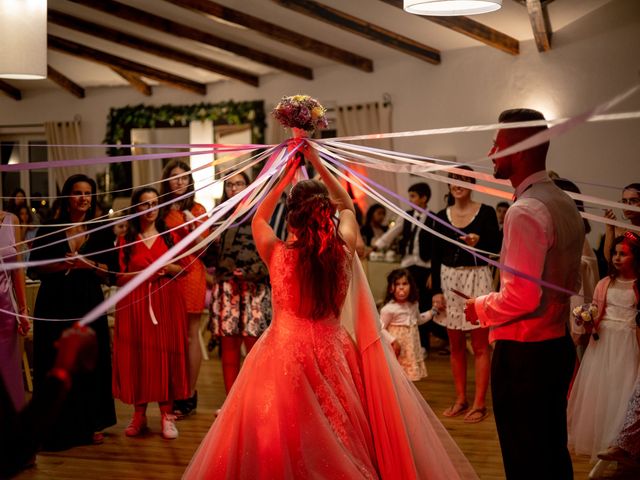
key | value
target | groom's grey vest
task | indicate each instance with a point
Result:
(562, 262)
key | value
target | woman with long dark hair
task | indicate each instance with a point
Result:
(177, 182)
(71, 287)
(302, 406)
(150, 335)
(374, 227)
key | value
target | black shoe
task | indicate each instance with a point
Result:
(183, 408)
(180, 408)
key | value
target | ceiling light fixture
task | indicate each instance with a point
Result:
(23, 39)
(451, 7)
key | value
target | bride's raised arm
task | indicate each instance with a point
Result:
(263, 235)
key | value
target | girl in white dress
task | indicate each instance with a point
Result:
(609, 368)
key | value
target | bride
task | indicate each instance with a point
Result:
(320, 396)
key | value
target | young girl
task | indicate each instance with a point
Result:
(149, 341)
(400, 316)
(605, 380)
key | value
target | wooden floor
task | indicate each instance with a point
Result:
(151, 457)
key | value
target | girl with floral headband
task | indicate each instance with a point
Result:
(607, 374)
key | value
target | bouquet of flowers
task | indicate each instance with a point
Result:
(301, 111)
(586, 315)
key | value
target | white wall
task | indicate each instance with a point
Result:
(591, 61)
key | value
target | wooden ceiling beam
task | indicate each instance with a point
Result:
(358, 26)
(10, 90)
(473, 29)
(97, 56)
(540, 24)
(122, 38)
(135, 81)
(165, 25)
(64, 82)
(278, 33)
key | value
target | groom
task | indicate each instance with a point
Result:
(534, 357)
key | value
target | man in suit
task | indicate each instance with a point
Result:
(533, 356)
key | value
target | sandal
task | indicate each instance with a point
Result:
(456, 410)
(476, 415)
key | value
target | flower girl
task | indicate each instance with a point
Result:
(400, 317)
(607, 374)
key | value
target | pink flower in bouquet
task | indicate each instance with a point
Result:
(301, 111)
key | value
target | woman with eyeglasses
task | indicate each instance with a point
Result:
(70, 287)
(454, 268)
(150, 334)
(182, 216)
(630, 196)
(241, 293)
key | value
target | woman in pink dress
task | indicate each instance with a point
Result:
(309, 403)
(11, 287)
(150, 342)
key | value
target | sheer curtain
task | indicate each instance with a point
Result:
(65, 133)
(364, 119)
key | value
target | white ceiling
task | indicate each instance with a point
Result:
(512, 20)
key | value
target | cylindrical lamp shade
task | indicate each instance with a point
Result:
(451, 7)
(23, 39)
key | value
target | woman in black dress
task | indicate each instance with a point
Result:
(69, 289)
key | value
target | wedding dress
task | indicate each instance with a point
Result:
(325, 399)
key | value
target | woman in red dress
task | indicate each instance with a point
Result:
(150, 344)
(176, 182)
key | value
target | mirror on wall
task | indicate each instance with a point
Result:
(224, 122)
(149, 172)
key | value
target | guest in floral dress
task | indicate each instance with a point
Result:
(241, 294)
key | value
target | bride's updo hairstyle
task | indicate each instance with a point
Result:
(311, 217)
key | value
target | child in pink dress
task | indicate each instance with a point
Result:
(400, 317)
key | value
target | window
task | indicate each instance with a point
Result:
(20, 148)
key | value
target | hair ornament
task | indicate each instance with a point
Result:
(632, 237)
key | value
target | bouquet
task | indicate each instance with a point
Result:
(302, 112)
(586, 315)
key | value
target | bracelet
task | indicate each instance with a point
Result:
(63, 375)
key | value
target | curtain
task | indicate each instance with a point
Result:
(65, 133)
(365, 119)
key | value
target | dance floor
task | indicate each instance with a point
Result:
(151, 457)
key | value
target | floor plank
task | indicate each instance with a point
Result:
(152, 457)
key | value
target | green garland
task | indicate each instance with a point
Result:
(121, 120)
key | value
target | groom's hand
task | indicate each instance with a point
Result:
(470, 311)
